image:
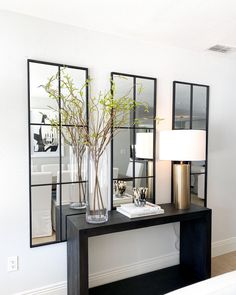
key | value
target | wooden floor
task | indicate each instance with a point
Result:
(224, 263)
(52, 238)
(197, 201)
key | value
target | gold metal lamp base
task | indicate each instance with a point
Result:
(181, 185)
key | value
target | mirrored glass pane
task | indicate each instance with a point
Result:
(44, 154)
(182, 106)
(43, 215)
(145, 94)
(199, 107)
(124, 86)
(144, 143)
(73, 96)
(123, 154)
(144, 152)
(43, 108)
(122, 192)
(198, 167)
(198, 182)
(143, 168)
(72, 193)
(74, 160)
(148, 183)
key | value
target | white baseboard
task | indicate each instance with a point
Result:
(134, 269)
(111, 275)
(148, 265)
(223, 247)
(54, 289)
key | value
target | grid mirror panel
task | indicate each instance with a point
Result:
(133, 163)
(57, 165)
(191, 111)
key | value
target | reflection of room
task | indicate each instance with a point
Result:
(55, 184)
(131, 163)
(144, 152)
(190, 111)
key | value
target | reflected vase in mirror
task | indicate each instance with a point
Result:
(57, 180)
(97, 197)
(78, 171)
(133, 147)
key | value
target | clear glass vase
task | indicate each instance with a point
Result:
(78, 171)
(98, 185)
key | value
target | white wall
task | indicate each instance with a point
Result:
(24, 37)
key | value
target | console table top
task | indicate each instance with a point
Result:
(119, 222)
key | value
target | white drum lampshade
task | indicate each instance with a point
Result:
(182, 145)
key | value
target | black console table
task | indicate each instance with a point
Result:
(195, 252)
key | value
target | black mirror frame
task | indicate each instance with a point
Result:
(59, 239)
(134, 137)
(191, 113)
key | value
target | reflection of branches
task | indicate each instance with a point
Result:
(108, 112)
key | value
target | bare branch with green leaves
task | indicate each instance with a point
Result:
(107, 111)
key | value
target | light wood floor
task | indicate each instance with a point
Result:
(52, 238)
(197, 201)
(224, 263)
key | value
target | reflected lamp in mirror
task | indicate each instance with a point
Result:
(182, 146)
(144, 145)
(144, 151)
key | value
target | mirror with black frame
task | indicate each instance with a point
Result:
(191, 111)
(133, 147)
(53, 179)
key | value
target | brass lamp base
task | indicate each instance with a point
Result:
(181, 185)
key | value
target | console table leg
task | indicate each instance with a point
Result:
(195, 246)
(77, 259)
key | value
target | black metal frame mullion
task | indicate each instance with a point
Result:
(134, 131)
(191, 127)
(207, 130)
(60, 149)
(154, 143)
(191, 107)
(111, 168)
(29, 142)
(58, 183)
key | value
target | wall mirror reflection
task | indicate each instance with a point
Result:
(133, 148)
(56, 183)
(191, 111)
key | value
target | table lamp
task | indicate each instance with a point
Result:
(144, 151)
(182, 146)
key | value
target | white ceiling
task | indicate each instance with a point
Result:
(193, 24)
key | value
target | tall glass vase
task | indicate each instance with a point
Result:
(78, 171)
(98, 185)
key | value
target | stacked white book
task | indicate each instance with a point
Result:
(132, 211)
